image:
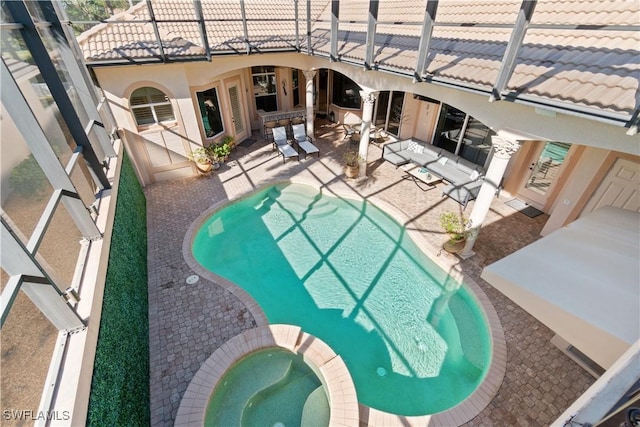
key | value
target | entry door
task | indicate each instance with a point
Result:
(237, 109)
(545, 167)
(619, 188)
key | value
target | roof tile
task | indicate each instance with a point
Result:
(596, 68)
(587, 12)
(478, 11)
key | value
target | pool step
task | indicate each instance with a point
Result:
(300, 203)
(262, 393)
(321, 211)
(316, 411)
(233, 410)
(280, 402)
(470, 343)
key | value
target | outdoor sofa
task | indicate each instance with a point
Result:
(464, 178)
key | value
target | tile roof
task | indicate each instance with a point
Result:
(587, 12)
(478, 12)
(130, 39)
(596, 67)
(600, 69)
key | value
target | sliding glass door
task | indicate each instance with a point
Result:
(388, 112)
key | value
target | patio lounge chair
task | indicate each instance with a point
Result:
(281, 142)
(304, 141)
(348, 131)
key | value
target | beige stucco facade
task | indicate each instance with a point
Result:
(567, 293)
(595, 145)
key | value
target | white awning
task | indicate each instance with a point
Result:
(582, 281)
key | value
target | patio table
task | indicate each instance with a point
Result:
(421, 174)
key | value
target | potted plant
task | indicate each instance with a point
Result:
(220, 151)
(455, 225)
(352, 164)
(230, 141)
(202, 157)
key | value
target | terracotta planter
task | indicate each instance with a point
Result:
(454, 246)
(203, 167)
(352, 171)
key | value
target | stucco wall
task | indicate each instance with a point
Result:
(521, 120)
(515, 120)
(177, 81)
(581, 281)
(580, 185)
(564, 210)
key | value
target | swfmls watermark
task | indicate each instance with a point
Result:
(30, 415)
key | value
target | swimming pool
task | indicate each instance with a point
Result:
(414, 340)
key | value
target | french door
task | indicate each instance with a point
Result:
(237, 108)
(544, 169)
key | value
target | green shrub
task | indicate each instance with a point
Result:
(120, 384)
(454, 224)
(221, 151)
(27, 179)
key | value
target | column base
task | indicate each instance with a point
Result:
(466, 256)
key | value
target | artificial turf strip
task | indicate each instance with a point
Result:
(120, 384)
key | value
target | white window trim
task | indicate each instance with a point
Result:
(151, 106)
(215, 86)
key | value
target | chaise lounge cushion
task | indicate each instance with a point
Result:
(452, 172)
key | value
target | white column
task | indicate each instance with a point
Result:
(368, 98)
(308, 76)
(503, 150)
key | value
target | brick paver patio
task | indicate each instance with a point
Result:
(188, 322)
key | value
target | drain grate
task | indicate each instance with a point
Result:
(577, 356)
(585, 360)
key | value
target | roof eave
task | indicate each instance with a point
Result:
(610, 117)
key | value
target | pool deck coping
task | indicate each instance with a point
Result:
(457, 415)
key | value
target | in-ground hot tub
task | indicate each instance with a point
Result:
(273, 387)
(276, 374)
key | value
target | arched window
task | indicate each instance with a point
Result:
(150, 105)
(346, 92)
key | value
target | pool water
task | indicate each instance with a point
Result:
(269, 387)
(413, 339)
